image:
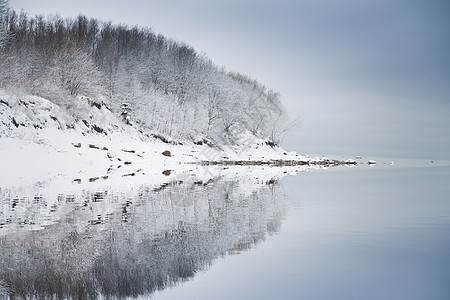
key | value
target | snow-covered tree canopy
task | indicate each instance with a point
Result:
(169, 88)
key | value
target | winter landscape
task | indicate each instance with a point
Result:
(134, 167)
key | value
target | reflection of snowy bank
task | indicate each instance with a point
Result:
(45, 203)
(130, 242)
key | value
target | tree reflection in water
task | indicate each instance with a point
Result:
(125, 244)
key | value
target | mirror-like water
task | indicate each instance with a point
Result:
(367, 233)
(126, 244)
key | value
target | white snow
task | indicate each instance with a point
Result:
(41, 142)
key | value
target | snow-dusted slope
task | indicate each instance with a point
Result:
(40, 141)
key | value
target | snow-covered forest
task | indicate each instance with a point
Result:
(159, 86)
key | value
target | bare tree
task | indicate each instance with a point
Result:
(74, 70)
(3, 29)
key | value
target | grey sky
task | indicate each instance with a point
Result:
(365, 77)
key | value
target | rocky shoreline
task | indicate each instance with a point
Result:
(278, 162)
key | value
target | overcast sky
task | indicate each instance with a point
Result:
(364, 77)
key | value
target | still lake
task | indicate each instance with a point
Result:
(361, 233)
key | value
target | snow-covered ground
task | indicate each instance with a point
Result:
(40, 142)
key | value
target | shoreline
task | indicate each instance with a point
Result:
(279, 163)
(92, 158)
(40, 143)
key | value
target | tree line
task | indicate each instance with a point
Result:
(162, 86)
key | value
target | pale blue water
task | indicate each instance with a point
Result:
(363, 233)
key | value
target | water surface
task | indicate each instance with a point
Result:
(377, 232)
(368, 233)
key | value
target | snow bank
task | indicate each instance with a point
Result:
(41, 142)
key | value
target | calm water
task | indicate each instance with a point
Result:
(361, 233)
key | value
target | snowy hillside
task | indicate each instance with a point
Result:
(39, 139)
(152, 83)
